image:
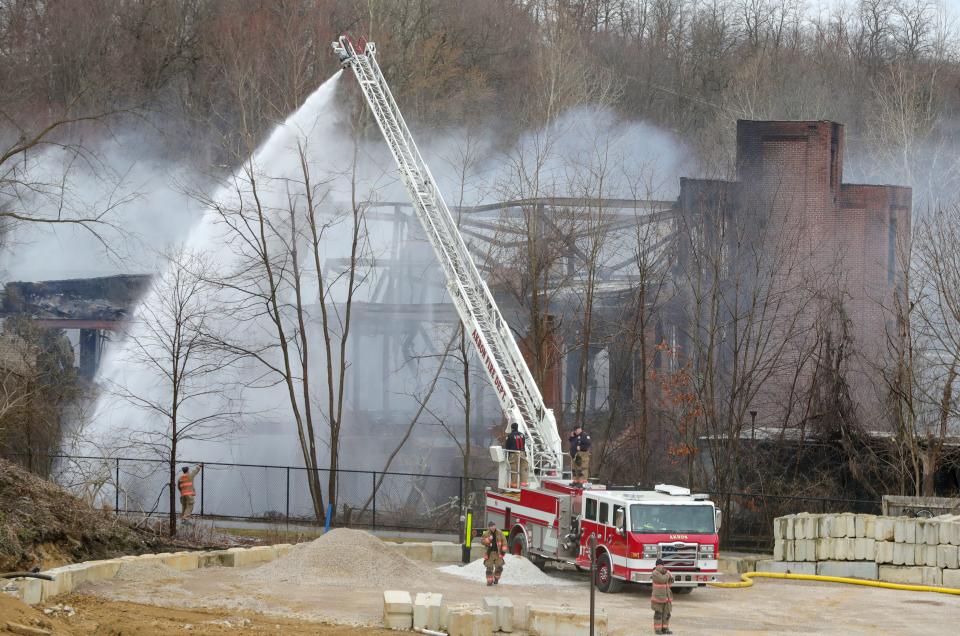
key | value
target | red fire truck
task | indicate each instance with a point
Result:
(633, 528)
(547, 517)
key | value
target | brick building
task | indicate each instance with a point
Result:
(827, 251)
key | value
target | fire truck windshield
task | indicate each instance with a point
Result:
(659, 519)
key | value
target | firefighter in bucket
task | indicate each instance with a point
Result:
(496, 547)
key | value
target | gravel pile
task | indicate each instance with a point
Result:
(516, 571)
(344, 556)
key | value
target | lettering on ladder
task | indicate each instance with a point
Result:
(497, 383)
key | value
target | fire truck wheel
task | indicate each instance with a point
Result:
(518, 545)
(682, 590)
(606, 582)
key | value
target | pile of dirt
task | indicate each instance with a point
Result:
(43, 525)
(349, 557)
(15, 614)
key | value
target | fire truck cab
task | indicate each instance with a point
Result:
(633, 528)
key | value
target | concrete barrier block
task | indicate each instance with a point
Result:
(804, 526)
(925, 555)
(209, 559)
(843, 549)
(884, 553)
(917, 575)
(805, 550)
(794, 527)
(501, 609)
(824, 549)
(903, 554)
(283, 549)
(182, 561)
(30, 591)
(930, 530)
(780, 528)
(905, 530)
(883, 528)
(864, 549)
(789, 552)
(954, 531)
(947, 556)
(426, 610)
(397, 609)
(823, 526)
(945, 529)
(416, 550)
(469, 622)
(848, 569)
(785, 567)
(850, 524)
(62, 582)
(779, 550)
(445, 552)
(446, 608)
(950, 578)
(239, 557)
(737, 564)
(838, 527)
(560, 621)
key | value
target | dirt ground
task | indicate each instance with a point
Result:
(770, 607)
(102, 617)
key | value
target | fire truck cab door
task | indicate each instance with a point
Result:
(616, 532)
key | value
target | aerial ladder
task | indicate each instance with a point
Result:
(516, 390)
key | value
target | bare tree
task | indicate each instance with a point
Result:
(174, 339)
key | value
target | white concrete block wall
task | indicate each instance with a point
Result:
(915, 549)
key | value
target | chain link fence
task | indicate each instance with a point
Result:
(275, 493)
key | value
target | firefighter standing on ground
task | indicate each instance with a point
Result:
(517, 444)
(580, 453)
(496, 547)
(187, 493)
(661, 598)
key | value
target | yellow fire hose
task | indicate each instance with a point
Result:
(746, 580)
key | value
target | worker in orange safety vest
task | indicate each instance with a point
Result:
(187, 493)
(661, 598)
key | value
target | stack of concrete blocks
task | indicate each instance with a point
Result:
(894, 549)
(397, 610)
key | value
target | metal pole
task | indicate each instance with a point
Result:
(116, 503)
(593, 578)
(374, 475)
(288, 495)
(462, 506)
(202, 490)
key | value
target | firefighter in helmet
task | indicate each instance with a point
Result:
(661, 598)
(516, 445)
(496, 547)
(580, 454)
